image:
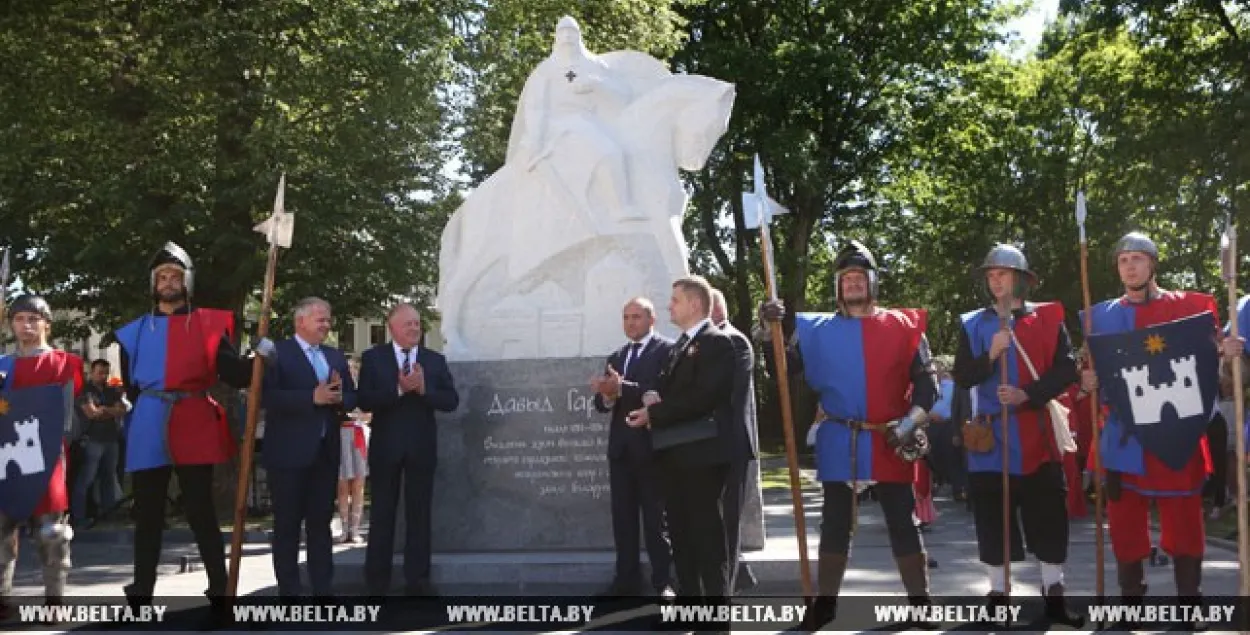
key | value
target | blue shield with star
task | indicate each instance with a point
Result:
(1162, 384)
(32, 423)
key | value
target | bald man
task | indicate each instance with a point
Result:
(630, 372)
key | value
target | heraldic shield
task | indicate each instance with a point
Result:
(1162, 384)
(32, 424)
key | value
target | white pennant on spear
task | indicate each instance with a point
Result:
(758, 210)
(278, 230)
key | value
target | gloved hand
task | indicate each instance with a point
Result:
(772, 311)
(909, 444)
(265, 348)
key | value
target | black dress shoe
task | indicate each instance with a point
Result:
(621, 588)
(745, 580)
(421, 589)
(666, 594)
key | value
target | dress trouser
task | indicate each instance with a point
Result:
(693, 499)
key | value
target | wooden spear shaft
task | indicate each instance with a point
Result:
(1094, 412)
(783, 390)
(249, 433)
(1243, 537)
(1004, 381)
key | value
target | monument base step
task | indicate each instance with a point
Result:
(536, 568)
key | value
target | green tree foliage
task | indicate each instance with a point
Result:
(896, 122)
(126, 124)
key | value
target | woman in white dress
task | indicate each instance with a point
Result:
(353, 468)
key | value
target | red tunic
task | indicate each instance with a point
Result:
(57, 368)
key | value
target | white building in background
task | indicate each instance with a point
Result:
(353, 336)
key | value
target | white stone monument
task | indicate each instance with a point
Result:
(586, 211)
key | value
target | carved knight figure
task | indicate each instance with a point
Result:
(586, 211)
(564, 110)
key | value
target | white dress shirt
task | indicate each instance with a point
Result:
(400, 359)
(694, 330)
(642, 346)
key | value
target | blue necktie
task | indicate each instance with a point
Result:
(319, 363)
(323, 372)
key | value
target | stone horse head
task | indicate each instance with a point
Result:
(675, 126)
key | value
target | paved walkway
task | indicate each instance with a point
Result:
(102, 563)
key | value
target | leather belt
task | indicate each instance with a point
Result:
(168, 399)
(860, 425)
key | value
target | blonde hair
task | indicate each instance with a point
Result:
(698, 288)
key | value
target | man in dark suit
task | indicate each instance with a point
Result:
(403, 385)
(695, 387)
(634, 474)
(307, 389)
(746, 448)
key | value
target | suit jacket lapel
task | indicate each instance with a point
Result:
(307, 363)
(680, 353)
(649, 350)
(392, 364)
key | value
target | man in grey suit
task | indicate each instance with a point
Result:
(742, 578)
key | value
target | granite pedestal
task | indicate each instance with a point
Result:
(522, 465)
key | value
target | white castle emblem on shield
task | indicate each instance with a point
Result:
(27, 451)
(1148, 400)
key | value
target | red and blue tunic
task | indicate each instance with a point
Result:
(1141, 471)
(49, 368)
(172, 362)
(861, 367)
(1031, 440)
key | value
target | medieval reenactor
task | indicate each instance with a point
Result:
(1136, 473)
(1031, 341)
(865, 361)
(37, 364)
(170, 357)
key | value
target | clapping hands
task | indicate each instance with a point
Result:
(608, 384)
(414, 381)
(329, 392)
(641, 418)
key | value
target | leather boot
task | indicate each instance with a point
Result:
(1056, 608)
(220, 611)
(1132, 579)
(136, 597)
(993, 600)
(1188, 574)
(914, 570)
(50, 618)
(830, 568)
